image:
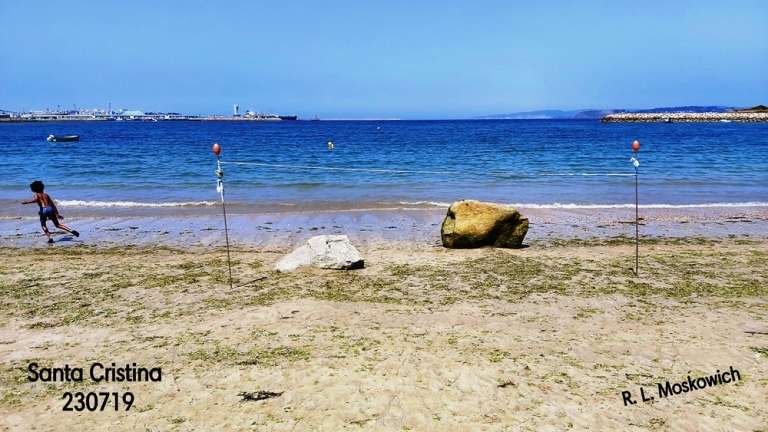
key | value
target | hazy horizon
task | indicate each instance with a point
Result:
(396, 60)
(486, 116)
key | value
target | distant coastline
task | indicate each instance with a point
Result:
(682, 114)
(688, 113)
(57, 117)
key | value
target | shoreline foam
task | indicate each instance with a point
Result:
(379, 205)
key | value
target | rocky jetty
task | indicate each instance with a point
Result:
(687, 117)
(473, 224)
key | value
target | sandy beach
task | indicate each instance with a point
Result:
(411, 216)
(424, 338)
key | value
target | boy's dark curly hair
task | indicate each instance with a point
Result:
(37, 186)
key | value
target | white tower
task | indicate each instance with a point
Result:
(237, 110)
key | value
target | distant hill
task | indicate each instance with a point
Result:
(549, 114)
(598, 113)
(754, 109)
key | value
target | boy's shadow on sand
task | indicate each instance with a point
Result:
(67, 238)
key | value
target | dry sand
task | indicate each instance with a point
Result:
(427, 339)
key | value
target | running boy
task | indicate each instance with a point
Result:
(48, 210)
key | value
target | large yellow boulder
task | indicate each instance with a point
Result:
(472, 224)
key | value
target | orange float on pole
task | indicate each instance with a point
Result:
(216, 148)
(636, 163)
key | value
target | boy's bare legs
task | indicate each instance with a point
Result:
(61, 226)
(46, 232)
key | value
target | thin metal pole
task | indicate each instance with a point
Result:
(637, 226)
(220, 175)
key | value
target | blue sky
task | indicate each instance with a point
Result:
(407, 59)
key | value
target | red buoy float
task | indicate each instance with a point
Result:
(217, 149)
(635, 146)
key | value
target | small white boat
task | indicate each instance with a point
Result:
(63, 138)
(724, 121)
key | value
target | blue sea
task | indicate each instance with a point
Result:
(277, 164)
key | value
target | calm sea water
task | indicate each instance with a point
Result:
(505, 161)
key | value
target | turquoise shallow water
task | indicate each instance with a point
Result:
(166, 163)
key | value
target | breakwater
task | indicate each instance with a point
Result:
(687, 117)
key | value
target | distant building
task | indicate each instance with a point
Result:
(236, 110)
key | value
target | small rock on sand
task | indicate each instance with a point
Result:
(324, 252)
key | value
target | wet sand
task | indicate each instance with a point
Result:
(204, 227)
